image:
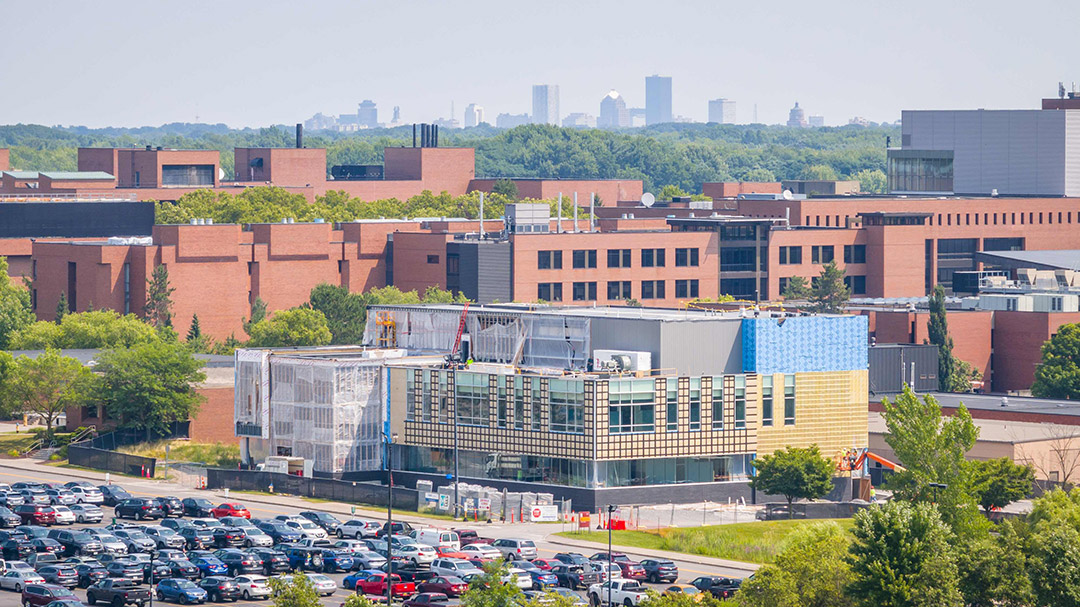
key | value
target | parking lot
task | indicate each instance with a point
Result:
(261, 511)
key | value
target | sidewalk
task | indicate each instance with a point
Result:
(652, 554)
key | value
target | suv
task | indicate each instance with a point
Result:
(719, 586)
(516, 549)
(139, 508)
(170, 505)
(76, 542)
(660, 570)
(196, 506)
(43, 594)
(630, 569)
(113, 495)
(35, 514)
(329, 522)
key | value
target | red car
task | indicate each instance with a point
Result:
(230, 509)
(426, 599)
(35, 514)
(448, 553)
(546, 564)
(630, 569)
(43, 594)
(376, 584)
(450, 586)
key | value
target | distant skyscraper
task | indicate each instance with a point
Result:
(509, 121)
(796, 117)
(613, 112)
(816, 121)
(474, 115)
(545, 106)
(367, 115)
(397, 114)
(722, 111)
(579, 120)
(657, 99)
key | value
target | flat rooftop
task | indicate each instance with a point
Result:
(1059, 259)
(620, 312)
(999, 402)
(996, 431)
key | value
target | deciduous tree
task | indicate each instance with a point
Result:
(1058, 375)
(85, 330)
(296, 591)
(1000, 482)
(48, 384)
(812, 569)
(344, 312)
(293, 327)
(795, 473)
(15, 311)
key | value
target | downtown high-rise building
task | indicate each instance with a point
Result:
(722, 111)
(613, 111)
(545, 104)
(367, 114)
(474, 115)
(657, 99)
(797, 117)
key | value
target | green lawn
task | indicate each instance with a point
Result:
(219, 455)
(19, 441)
(757, 542)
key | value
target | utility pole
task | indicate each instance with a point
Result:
(610, 509)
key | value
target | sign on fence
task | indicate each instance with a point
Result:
(444, 502)
(583, 520)
(484, 504)
(431, 497)
(544, 514)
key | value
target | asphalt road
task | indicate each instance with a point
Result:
(688, 568)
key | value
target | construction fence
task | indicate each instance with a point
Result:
(355, 492)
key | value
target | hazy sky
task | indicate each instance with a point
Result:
(259, 62)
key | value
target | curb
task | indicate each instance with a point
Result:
(696, 559)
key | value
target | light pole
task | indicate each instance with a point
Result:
(935, 487)
(610, 509)
(456, 502)
(390, 517)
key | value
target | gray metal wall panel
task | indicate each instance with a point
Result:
(627, 334)
(1022, 156)
(1071, 169)
(702, 348)
(1050, 160)
(967, 152)
(493, 272)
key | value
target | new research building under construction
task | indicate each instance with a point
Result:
(668, 405)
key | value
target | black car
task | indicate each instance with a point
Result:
(273, 561)
(170, 505)
(45, 544)
(220, 588)
(161, 570)
(90, 573)
(197, 538)
(182, 568)
(16, 549)
(279, 532)
(399, 528)
(239, 562)
(229, 537)
(114, 495)
(76, 542)
(573, 558)
(138, 508)
(575, 576)
(61, 574)
(9, 518)
(329, 522)
(660, 570)
(196, 506)
(718, 586)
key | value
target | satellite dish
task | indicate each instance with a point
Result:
(220, 173)
(788, 195)
(647, 199)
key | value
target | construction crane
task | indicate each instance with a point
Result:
(460, 330)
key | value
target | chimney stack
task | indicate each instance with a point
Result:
(299, 135)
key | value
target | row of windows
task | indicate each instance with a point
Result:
(967, 219)
(618, 289)
(616, 258)
(855, 284)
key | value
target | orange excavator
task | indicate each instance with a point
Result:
(853, 460)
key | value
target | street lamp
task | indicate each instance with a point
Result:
(611, 508)
(935, 487)
(390, 517)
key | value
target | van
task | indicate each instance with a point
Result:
(438, 538)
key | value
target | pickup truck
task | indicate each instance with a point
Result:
(469, 536)
(623, 592)
(376, 584)
(117, 591)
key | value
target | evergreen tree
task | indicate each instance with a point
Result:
(194, 331)
(61, 307)
(937, 329)
(796, 288)
(829, 293)
(158, 308)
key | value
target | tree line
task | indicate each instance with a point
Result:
(685, 155)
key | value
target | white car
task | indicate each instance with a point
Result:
(307, 528)
(87, 495)
(87, 513)
(252, 586)
(257, 538)
(422, 554)
(18, 566)
(357, 528)
(484, 551)
(520, 577)
(208, 523)
(19, 579)
(453, 567)
(64, 515)
(109, 542)
(323, 585)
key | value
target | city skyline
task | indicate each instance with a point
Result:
(960, 60)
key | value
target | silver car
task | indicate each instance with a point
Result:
(87, 495)
(87, 513)
(109, 542)
(323, 584)
(257, 538)
(61, 497)
(516, 549)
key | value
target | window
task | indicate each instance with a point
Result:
(789, 400)
(855, 284)
(652, 258)
(519, 403)
(686, 257)
(790, 255)
(695, 403)
(854, 253)
(433, 259)
(737, 259)
(740, 401)
(585, 259)
(567, 405)
(617, 289)
(672, 406)
(718, 403)
(549, 260)
(766, 400)
(471, 396)
(631, 406)
(652, 289)
(821, 254)
(686, 288)
(618, 258)
(502, 408)
(549, 291)
(584, 291)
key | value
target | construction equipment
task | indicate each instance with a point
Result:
(853, 460)
(387, 329)
(460, 330)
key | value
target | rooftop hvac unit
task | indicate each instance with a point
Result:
(621, 360)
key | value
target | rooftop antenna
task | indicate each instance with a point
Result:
(575, 213)
(592, 213)
(481, 216)
(1061, 90)
(558, 226)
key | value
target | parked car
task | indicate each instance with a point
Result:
(304, 559)
(16, 548)
(36, 595)
(89, 572)
(575, 576)
(111, 495)
(399, 527)
(620, 592)
(448, 585)
(176, 524)
(196, 538)
(63, 515)
(368, 559)
(196, 506)
(228, 537)
(273, 561)
(570, 596)
(182, 568)
(516, 549)
(163, 537)
(62, 497)
(323, 585)
(230, 509)
(426, 599)
(453, 567)
(357, 528)
(72, 484)
(419, 554)
(46, 544)
(36, 514)
(87, 513)
(61, 574)
(180, 590)
(327, 521)
(110, 544)
(469, 536)
(238, 562)
(33, 531)
(209, 565)
(8, 518)
(660, 570)
(437, 538)
(75, 542)
(124, 569)
(87, 495)
(719, 586)
(376, 584)
(10, 499)
(206, 523)
(253, 586)
(572, 558)
(34, 496)
(540, 579)
(546, 564)
(138, 508)
(683, 589)
(280, 533)
(117, 592)
(20, 578)
(136, 540)
(630, 568)
(483, 551)
(219, 588)
(170, 505)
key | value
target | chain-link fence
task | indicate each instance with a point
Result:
(323, 488)
(82, 454)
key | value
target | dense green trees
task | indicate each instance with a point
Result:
(15, 311)
(47, 385)
(811, 570)
(158, 308)
(1058, 375)
(85, 330)
(795, 473)
(999, 482)
(293, 327)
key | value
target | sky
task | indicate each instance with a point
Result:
(252, 63)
